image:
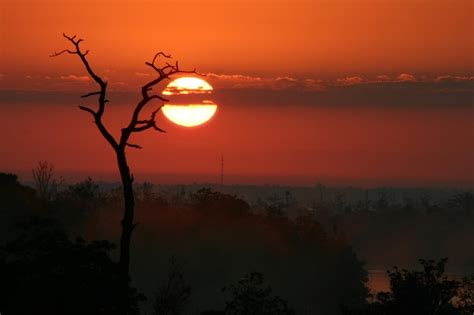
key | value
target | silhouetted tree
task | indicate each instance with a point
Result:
(13, 194)
(17, 202)
(172, 295)
(425, 292)
(137, 124)
(45, 183)
(43, 272)
(250, 297)
(215, 205)
(79, 202)
(463, 201)
(276, 205)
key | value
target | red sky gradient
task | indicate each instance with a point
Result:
(370, 92)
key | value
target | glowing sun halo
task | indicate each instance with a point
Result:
(192, 113)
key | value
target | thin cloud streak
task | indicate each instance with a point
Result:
(404, 89)
(73, 77)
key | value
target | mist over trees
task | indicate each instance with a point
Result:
(192, 243)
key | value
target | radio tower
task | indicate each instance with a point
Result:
(222, 170)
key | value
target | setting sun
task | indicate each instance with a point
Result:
(189, 114)
(188, 85)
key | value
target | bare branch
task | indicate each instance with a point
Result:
(70, 38)
(62, 52)
(160, 54)
(158, 129)
(200, 73)
(153, 114)
(153, 120)
(136, 146)
(135, 125)
(164, 72)
(161, 98)
(83, 58)
(102, 84)
(150, 124)
(90, 94)
(160, 71)
(87, 109)
(146, 124)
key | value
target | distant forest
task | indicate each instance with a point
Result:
(210, 249)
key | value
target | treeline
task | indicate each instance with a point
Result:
(201, 252)
(387, 231)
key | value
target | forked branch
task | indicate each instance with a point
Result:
(102, 92)
(164, 71)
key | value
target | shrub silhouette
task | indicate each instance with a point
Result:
(171, 296)
(250, 297)
(43, 272)
(425, 292)
(17, 202)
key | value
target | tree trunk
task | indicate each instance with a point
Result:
(135, 125)
(128, 214)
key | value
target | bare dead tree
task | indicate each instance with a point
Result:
(174, 293)
(45, 183)
(137, 124)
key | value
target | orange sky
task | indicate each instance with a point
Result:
(279, 37)
(365, 92)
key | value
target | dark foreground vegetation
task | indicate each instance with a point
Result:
(206, 252)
